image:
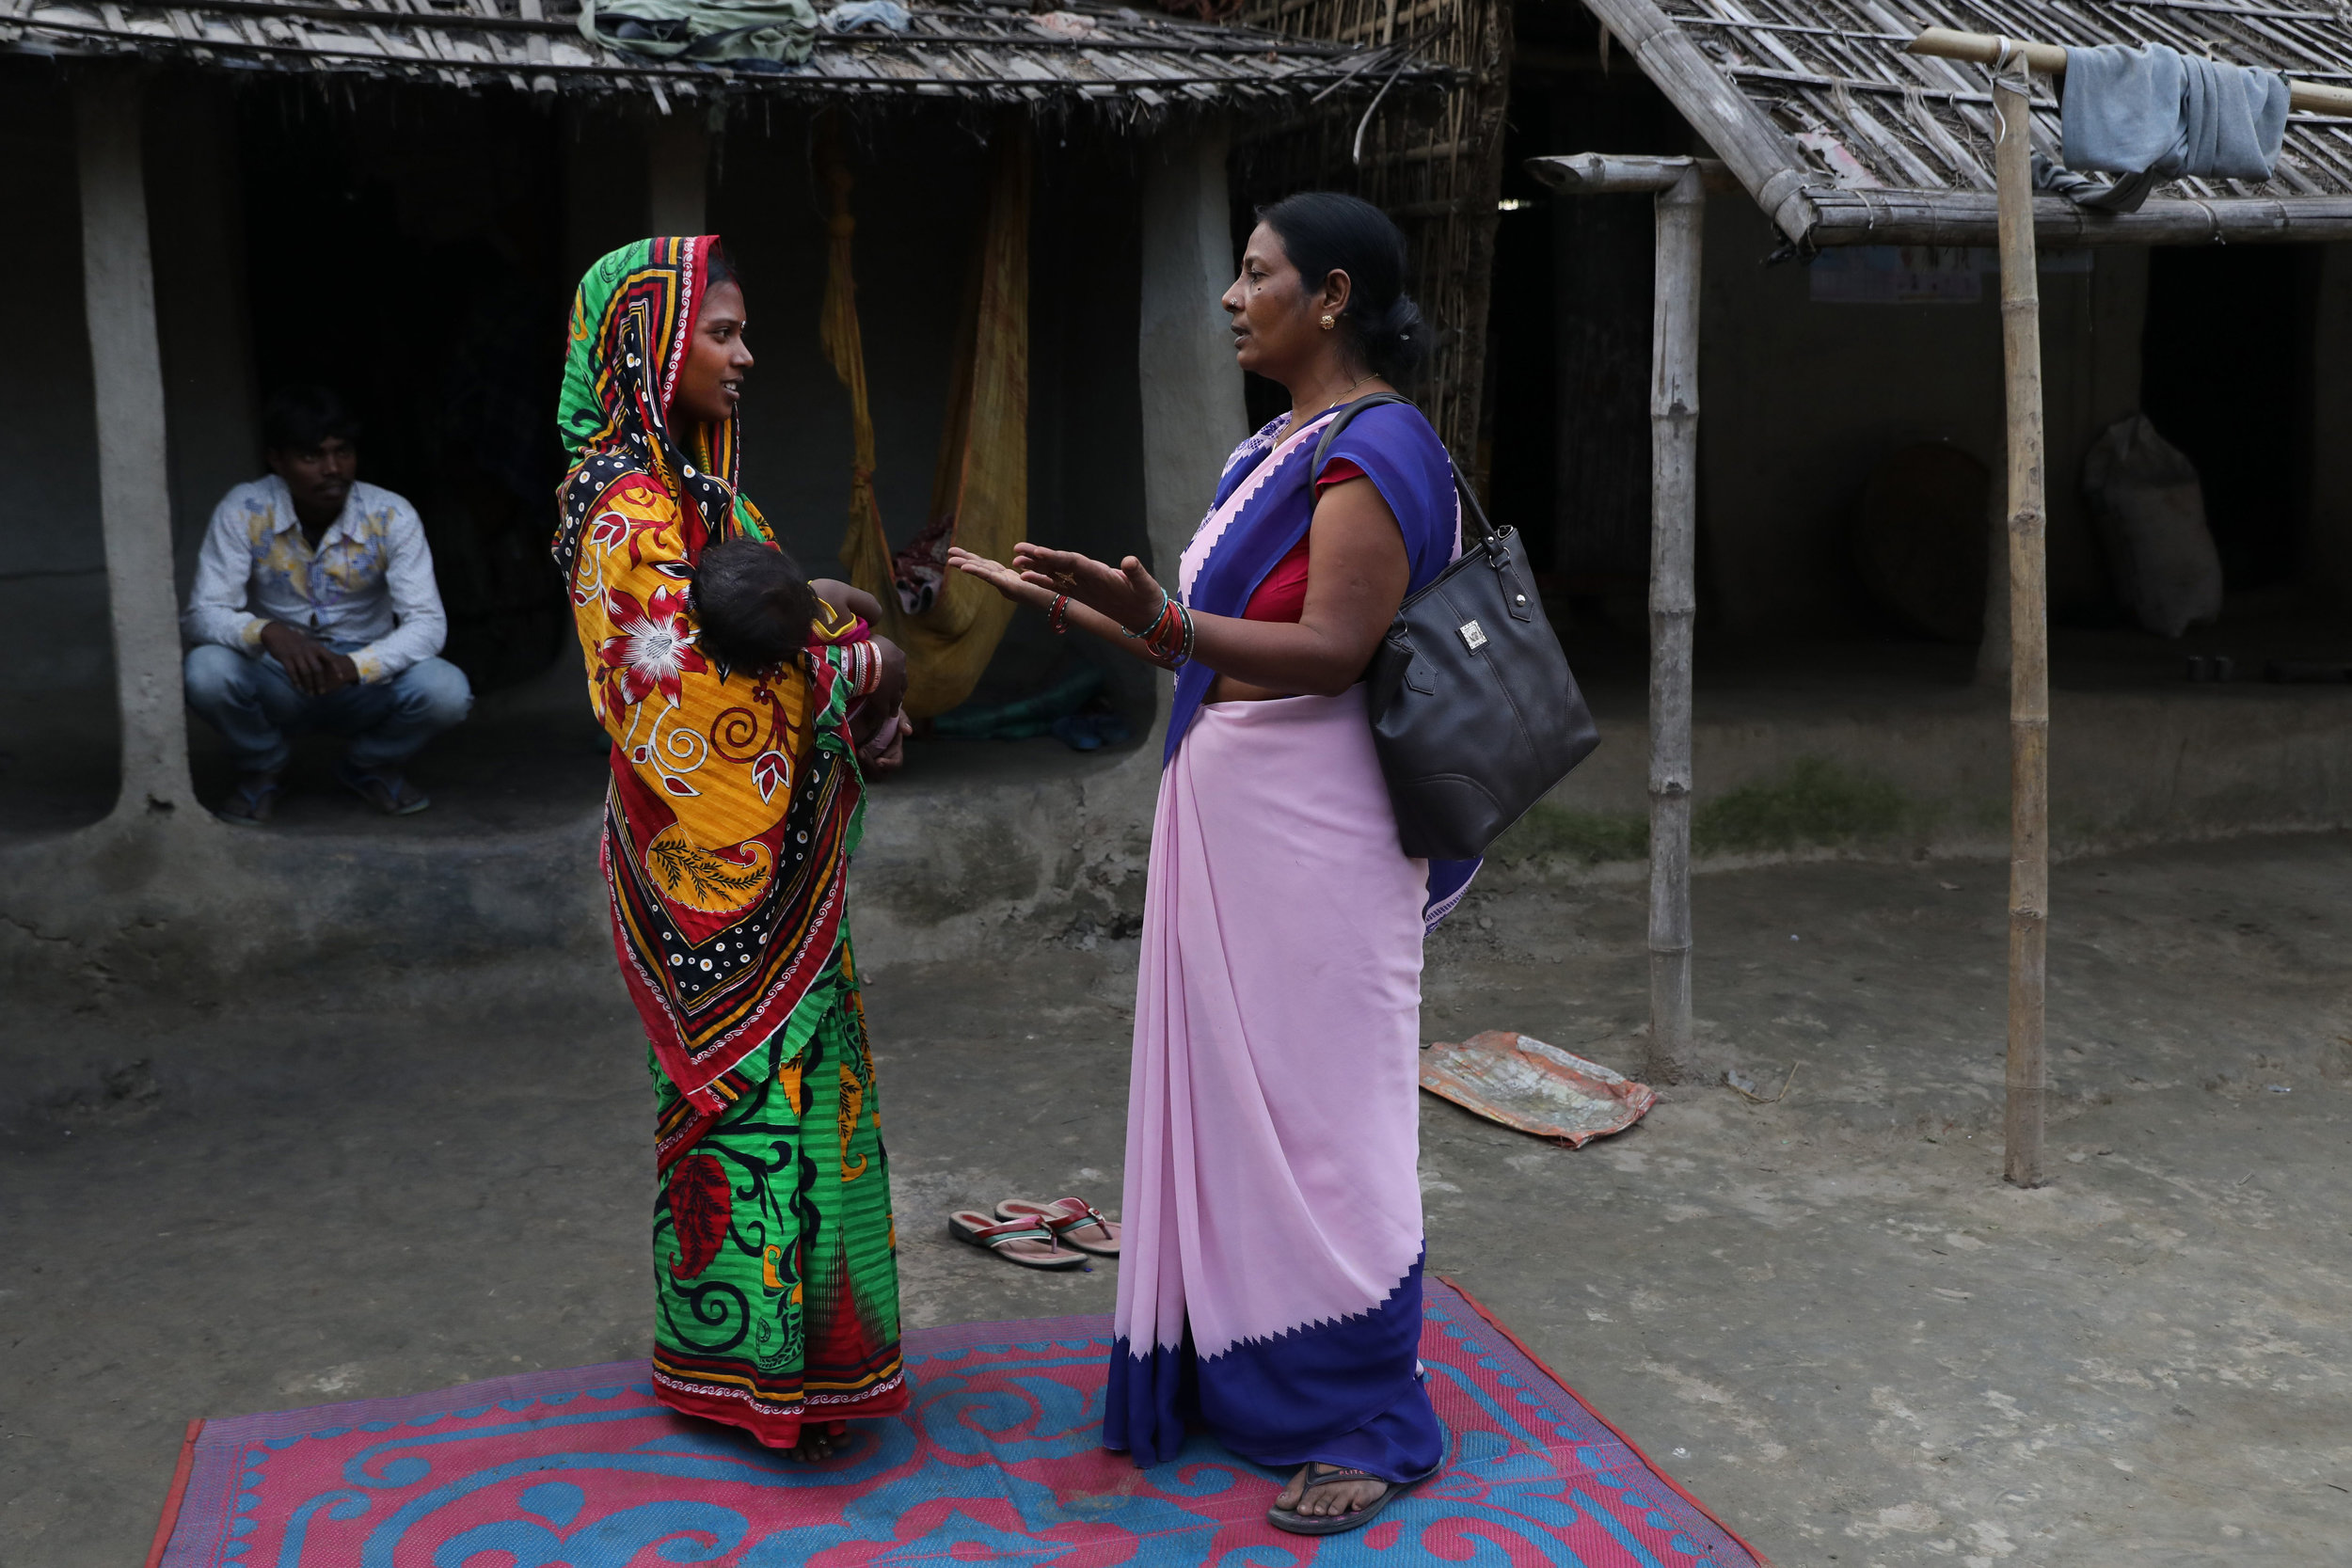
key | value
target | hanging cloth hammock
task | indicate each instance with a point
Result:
(948, 623)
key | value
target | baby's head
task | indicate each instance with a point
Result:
(753, 605)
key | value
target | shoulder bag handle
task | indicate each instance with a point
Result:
(1373, 400)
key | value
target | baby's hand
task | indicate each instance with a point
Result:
(842, 597)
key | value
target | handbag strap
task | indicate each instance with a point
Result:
(1373, 400)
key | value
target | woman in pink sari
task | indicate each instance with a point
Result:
(1269, 1286)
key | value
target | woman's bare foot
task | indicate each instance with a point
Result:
(1340, 1496)
(814, 1445)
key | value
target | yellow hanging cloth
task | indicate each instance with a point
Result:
(948, 623)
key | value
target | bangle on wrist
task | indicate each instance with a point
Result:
(1170, 641)
(1152, 625)
(1057, 614)
(1167, 638)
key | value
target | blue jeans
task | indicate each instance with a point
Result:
(257, 709)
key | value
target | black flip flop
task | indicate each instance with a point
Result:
(1340, 1524)
(387, 791)
(250, 805)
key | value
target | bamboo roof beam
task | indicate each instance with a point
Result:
(1846, 130)
(2049, 60)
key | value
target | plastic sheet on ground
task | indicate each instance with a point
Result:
(1523, 1083)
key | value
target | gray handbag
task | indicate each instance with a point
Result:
(1474, 713)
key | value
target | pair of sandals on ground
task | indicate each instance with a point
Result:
(1058, 1235)
(1061, 1235)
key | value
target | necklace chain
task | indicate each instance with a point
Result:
(1368, 375)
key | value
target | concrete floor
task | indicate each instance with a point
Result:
(1828, 1317)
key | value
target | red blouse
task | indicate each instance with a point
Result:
(1282, 597)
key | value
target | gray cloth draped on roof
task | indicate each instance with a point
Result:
(849, 17)
(780, 30)
(2152, 115)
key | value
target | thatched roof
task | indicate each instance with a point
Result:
(1117, 59)
(1843, 138)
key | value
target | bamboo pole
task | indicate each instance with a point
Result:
(2029, 642)
(1973, 217)
(2050, 59)
(1680, 186)
(1674, 411)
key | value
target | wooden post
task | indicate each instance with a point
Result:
(1674, 413)
(134, 482)
(2029, 642)
(1681, 186)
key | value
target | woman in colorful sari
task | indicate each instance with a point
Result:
(735, 804)
(1269, 1286)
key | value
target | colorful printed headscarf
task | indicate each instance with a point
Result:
(631, 322)
(736, 801)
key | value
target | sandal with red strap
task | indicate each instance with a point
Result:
(1073, 1221)
(1023, 1242)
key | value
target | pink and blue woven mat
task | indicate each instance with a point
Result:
(996, 1462)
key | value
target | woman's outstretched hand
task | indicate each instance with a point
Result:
(1000, 576)
(1125, 592)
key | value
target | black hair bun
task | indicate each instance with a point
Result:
(1395, 340)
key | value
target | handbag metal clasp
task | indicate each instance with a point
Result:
(1472, 635)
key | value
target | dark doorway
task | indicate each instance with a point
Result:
(1571, 96)
(2225, 377)
(1518, 407)
(405, 250)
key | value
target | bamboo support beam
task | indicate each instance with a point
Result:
(1673, 412)
(1682, 186)
(1739, 130)
(1610, 173)
(2050, 60)
(2029, 645)
(1972, 217)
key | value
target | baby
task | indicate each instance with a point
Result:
(756, 610)
(752, 604)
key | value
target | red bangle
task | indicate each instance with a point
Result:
(1057, 614)
(1170, 641)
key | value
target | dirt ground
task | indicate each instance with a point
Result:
(1828, 1317)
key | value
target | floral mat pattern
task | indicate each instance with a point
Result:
(997, 1461)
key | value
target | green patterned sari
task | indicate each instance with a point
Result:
(775, 1260)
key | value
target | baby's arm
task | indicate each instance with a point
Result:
(842, 597)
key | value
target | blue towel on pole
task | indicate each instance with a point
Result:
(2153, 114)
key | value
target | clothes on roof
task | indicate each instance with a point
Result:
(780, 30)
(885, 15)
(2154, 115)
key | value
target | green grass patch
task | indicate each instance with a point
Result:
(1814, 803)
(1558, 833)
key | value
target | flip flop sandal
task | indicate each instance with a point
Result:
(248, 806)
(1073, 1221)
(1021, 1241)
(387, 792)
(1338, 1524)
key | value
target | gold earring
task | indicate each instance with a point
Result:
(1330, 322)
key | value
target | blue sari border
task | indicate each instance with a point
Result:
(1345, 1392)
